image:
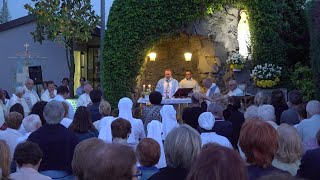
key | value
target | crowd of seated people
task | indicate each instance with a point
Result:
(271, 139)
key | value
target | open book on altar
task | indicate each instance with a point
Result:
(182, 92)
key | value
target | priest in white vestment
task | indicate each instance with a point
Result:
(189, 82)
(84, 99)
(49, 93)
(167, 86)
(30, 95)
(211, 86)
(206, 122)
(18, 98)
(233, 89)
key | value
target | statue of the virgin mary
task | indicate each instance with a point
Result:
(243, 34)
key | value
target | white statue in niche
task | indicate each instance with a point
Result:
(244, 34)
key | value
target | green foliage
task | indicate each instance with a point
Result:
(4, 13)
(265, 20)
(63, 20)
(302, 80)
(135, 26)
(295, 32)
(313, 18)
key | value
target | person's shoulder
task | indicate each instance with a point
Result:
(313, 152)
(161, 80)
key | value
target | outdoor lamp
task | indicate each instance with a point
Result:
(152, 56)
(187, 56)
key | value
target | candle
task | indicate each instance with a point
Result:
(149, 86)
(144, 88)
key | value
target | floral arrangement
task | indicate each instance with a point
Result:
(267, 75)
(235, 61)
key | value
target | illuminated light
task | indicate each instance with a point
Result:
(152, 56)
(187, 56)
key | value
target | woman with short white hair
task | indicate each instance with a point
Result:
(266, 112)
(182, 146)
(290, 150)
(30, 124)
(251, 112)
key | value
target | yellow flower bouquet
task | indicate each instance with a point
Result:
(235, 61)
(267, 75)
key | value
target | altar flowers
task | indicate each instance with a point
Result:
(236, 61)
(266, 75)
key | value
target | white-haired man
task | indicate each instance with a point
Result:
(308, 128)
(30, 124)
(17, 97)
(56, 142)
(233, 88)
(211, 86)
(30, 95)
(266, 112)
(84, 99)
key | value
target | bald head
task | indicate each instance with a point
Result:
(29, 84)
(207, 82)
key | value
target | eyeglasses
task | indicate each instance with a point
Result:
(138, 175)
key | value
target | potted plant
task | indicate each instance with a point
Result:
(235, 61)
(266, 75)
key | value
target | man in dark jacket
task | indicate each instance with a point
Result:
(56, 142)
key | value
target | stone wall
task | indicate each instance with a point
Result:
(210, 40)
(170, 54)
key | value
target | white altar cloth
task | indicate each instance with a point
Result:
(168, 101)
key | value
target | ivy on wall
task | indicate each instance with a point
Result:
(135, 26)
(313, 18)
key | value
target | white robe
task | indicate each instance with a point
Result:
(84, 100)
(189, 83)
(210, 91)
(14, 100)
(105, 129)
(236, 92)
(1, 116)
(163, 86)
(66, 122)
(169, 119)
(213, 137)
(61, 99)
(31, 97)
(154, 132)
(137, 131)
(46, 97)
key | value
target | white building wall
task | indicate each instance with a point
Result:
(54, 67)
